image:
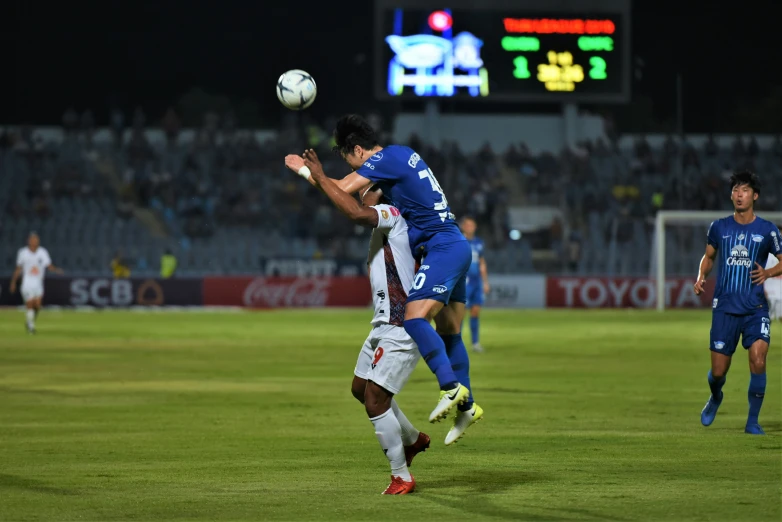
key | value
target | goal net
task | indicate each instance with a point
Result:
(679, 244)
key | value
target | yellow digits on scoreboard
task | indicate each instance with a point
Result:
(560, 74)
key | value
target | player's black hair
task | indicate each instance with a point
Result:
(354, 130)
(745, 177)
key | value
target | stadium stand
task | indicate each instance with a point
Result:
(223, 202)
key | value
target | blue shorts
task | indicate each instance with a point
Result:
(474, 292)
(726, 329)
(443, 274)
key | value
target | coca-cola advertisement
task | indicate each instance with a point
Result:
(623, 292)
(286, 292)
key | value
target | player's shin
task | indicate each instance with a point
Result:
(475, 326)
(30, 316)
(460, 362)
(409, 433)
(432, 350)
(389, 434)
(755, 394)
(715, 385)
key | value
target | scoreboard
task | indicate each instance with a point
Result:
(501, 50)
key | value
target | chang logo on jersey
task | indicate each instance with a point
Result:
(414, 159)
(756, 238)
(739, 256)
(376, 156)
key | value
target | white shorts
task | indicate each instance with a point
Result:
(388, 357)
(775, 308)
(31, 291)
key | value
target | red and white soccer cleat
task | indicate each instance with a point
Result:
(399, 486)
(419, 446)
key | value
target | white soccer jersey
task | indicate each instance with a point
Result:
(773, 286)
(391, 266)
(34, 265)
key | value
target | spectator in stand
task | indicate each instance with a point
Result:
(670, 147)
(752, 148)
(710, 148)
(120, 267)
(168, 264)
(642, 149)
(739, 151)
(117, 125)
(171, 125)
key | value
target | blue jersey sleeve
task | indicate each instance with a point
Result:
(776, 242)
(376, 170)
(713, 237)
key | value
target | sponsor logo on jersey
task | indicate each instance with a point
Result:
(376, 156)
(424, 267)
(384, 213)
(440, 289)
(414, 159)
(739, 256)
(394, 211)
(714, 303)
(381, 294)
(369, 165)
(757, 239)
(719, 345)
(776, 240)
(741, 237)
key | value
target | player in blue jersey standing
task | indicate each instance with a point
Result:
(439, 286)
(477, 281)
(739, 243)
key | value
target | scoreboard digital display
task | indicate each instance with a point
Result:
(500, 53)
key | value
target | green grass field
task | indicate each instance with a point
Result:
(175, 416)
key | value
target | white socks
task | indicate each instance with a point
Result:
(389, 434)
(409, 433)
(30, 318)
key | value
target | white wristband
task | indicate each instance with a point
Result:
(304, 172)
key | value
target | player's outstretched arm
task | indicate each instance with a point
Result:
(351, 183)
(705, 268)
(56, 269)
(346, 203)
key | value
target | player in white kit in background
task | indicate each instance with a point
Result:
(773, 289)
(32, 262)
(389, 355)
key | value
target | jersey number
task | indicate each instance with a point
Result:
(443, 204)
(419, 280)
(764, 329)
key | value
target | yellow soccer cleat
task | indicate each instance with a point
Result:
(462, 421)
(449, 399)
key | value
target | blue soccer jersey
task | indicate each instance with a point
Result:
(474, 273)
(739, 248)
(412, 187)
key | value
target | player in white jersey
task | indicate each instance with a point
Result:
(32, 262)
(773, 289)
(389, 355)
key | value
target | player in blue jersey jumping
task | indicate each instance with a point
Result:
(477, 281)
(439, 287)
(742, 241)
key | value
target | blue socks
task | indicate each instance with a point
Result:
(716, 387)
(474, 329)
(460, 362)
(757, 390)
(432, 350)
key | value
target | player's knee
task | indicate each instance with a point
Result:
(757, 363)
(475, 312)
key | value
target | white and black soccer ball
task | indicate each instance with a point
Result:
(296, 89)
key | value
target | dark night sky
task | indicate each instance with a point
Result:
(150, 53)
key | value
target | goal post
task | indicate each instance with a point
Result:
(691, 218)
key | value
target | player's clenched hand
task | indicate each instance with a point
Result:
(486, 288)
(759, 275)
(698, 286)
(294, 162)
(313, 163)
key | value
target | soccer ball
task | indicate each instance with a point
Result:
(296, 89)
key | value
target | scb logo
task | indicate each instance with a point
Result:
(101, 292)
